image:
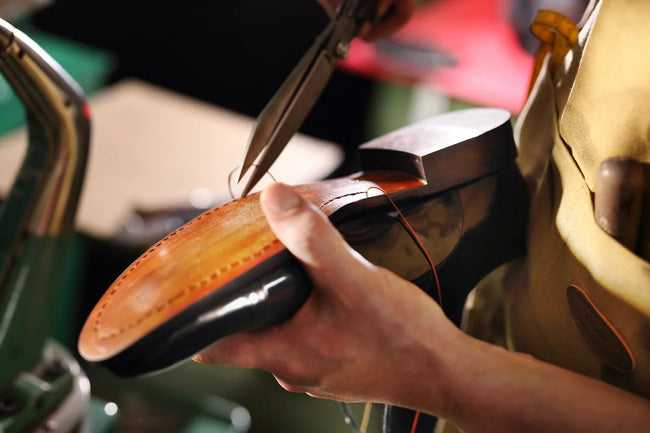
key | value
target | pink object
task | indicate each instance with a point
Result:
(492, 69)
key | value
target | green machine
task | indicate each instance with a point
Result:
(41, 384)
(42, 387)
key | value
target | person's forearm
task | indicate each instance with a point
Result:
(489, 389)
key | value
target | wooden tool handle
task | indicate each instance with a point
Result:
(618, 199)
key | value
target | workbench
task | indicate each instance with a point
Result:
(153, 149)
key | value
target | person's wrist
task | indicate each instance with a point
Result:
(424, 362)
(446, 348)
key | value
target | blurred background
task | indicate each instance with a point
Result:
(175, 85)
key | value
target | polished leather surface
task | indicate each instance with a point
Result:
(202, 256)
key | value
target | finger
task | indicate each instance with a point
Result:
(310, 237)
(234, 350)
(399, 14)
(266, 349)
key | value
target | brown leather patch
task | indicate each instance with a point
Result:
(599, 333)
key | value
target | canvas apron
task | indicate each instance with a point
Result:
(580, 299)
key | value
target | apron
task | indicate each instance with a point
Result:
(580, 299)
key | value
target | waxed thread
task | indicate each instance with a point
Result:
(417, 240)
(229, 181)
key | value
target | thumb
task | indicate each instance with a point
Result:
(309, 236)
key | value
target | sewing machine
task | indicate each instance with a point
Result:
(42, 385)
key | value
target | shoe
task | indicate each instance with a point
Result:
(453, 177)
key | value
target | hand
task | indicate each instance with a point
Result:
(393, 14)
(359, 337)
(367, 335)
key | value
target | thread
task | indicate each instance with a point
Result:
(365, 419)
(416, 239)
(266, 172)
(416, 418)
(420, 245)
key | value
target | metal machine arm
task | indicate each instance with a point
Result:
(36, 224)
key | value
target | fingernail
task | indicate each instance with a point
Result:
(280, 199)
